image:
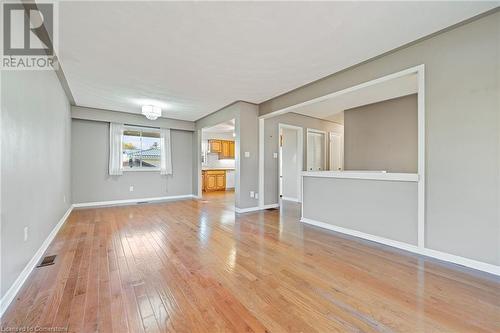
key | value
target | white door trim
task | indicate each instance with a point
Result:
(325, 135)
(300, 155)
(341, 135)
(261, 163)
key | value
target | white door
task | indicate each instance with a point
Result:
(316, 144)
(336, 152)
(289, 164)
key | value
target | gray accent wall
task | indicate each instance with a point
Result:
(382, 136)
(35, 169)
(382, 208)
(271, 146)
(91, 181)
(246, 140)
(462, 110)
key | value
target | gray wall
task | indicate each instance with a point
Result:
(382, 136)
(89, 162)
(381, 208)
(462, 131)
(247, 134)
(271, 135)
(35, 169)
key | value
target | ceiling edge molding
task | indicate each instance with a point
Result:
(44, 35)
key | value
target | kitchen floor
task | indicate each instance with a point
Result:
(226, 197)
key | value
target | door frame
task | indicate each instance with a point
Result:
(300, 160)
(341, 135)
(325, 135)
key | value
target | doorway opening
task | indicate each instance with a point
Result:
(218, 163)
(316, 150)
(290, 162)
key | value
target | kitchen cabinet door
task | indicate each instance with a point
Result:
(225, 150)
(220, 182)
(231, 149)
(215, 146)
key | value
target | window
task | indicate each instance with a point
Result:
(141, 148)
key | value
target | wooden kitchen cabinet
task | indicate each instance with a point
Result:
(215, 146)
(225, 148)
(231, 149)
(214, 180)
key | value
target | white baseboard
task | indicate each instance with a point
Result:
(132, 201)
(246, 210)
(290, 199)
(276, 205)
(482, 266)
(254, 209)
(16, 286)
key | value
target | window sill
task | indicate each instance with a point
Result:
(141, 170)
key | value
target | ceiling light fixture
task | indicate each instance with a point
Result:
(151, 112)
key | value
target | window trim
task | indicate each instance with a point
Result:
(141, 129)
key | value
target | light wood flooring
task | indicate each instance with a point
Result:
(193, 266)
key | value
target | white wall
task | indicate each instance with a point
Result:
(35, 169)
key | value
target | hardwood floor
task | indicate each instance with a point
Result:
(192, 266)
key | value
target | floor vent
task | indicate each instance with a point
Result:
(142, 202)
(47, 261)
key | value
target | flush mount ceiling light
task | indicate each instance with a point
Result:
(151, 112)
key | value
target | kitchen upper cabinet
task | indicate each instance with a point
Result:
(215, 146)
(231, 149)
(225, 148)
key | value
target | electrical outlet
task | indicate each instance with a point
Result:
(131, 188)
(252, 194)
(25, 234)
(275, 155)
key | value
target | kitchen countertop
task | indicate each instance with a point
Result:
(208, 168)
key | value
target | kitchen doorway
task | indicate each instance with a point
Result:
(218, 167)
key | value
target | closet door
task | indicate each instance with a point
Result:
(316, 152)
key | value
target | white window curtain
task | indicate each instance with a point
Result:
(115, 149)
(165, 152)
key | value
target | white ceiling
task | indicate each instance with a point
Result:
(224, 127)
(332, 108)
(192, 58)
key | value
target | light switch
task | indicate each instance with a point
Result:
(247, 154)
(275, 155)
